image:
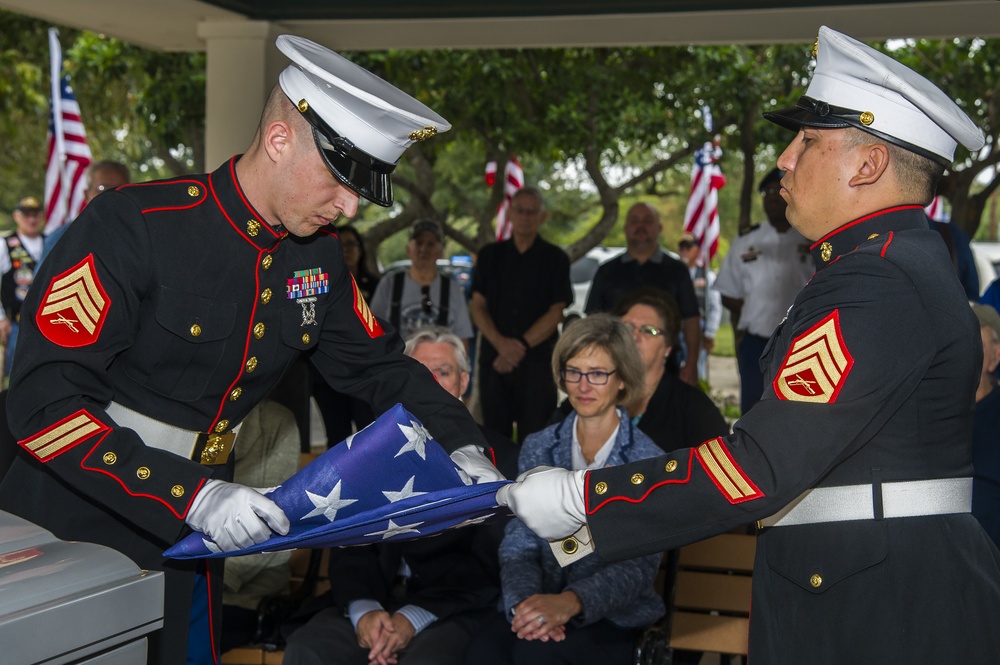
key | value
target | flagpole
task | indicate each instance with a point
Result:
(55, 70)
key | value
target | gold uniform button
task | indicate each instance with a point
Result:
(305, 338)
(302, 106)
(195, 330)
(867, 118)
(110, 458)
(671, 466)
(193, 191)
(570, 546)
(253, 227)
(637, 478)
(235, 395)
(252, 364)
(265, 296)
(258, 330)
(816, 581)
(266, 262)
(222, 426)
(177, 491)
(826, 251)
(142, 472)
(601, 487)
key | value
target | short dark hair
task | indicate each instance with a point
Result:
(917, 175)
(528, 190)
(107, 165)
(662, 302)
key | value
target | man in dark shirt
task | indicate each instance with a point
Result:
(519, 291)
(645, 264)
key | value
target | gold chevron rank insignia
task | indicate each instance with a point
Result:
(722, 469)
(368, 320)
(817, 364)
(74, 308)
(62, 436)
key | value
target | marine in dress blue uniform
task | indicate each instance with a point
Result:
(857, 461)
(169, 309)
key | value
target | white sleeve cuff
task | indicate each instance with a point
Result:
(418, 616)
(358, 608)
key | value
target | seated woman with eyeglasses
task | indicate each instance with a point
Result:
(673, 413)
(591, 611)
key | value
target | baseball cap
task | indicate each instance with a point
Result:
(28, 204)
(430, 225)
(361, 124)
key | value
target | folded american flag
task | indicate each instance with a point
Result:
(391, 480)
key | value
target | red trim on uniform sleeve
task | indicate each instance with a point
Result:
(74, 307)
(63, 436)
(368, 320)
(885, 246)
(727, 476)
(817, 364)
(677, 481)
(139, 495)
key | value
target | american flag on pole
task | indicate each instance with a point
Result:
(69, 155)
(390, 481)
(513, 181)
(701, 217)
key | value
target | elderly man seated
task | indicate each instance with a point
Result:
(416, 602)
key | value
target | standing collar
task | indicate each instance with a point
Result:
(850, 236)
(231, 200)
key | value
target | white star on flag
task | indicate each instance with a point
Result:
(416, 439)
(328, 505)
(404, 493)
(394, 530)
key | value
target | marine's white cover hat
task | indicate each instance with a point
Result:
(856, 86)
(361, 123)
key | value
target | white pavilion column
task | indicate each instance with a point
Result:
(242, 64)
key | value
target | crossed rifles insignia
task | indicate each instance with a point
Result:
(74, 307)
(817, 364)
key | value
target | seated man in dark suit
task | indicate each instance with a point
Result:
(415, 602)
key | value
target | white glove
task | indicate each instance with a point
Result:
(476, 465)
(235, 516)
(549, 500)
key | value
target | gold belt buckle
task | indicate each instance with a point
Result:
(211, 448)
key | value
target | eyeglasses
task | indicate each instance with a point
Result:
(426, 303)
(527, 212)
(595, 377)
(769, 191)
(644, 330)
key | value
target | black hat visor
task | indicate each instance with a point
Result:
(366, 175)
(811, 112)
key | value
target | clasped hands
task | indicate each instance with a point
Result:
(384, 635)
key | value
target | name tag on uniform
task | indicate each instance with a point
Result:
(749, 255)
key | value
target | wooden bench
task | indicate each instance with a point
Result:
(707, 590)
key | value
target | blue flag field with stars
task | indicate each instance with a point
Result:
(390, 481)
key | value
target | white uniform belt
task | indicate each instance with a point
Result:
(202, 447)
(915, 498)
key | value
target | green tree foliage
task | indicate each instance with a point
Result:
(140, 107)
